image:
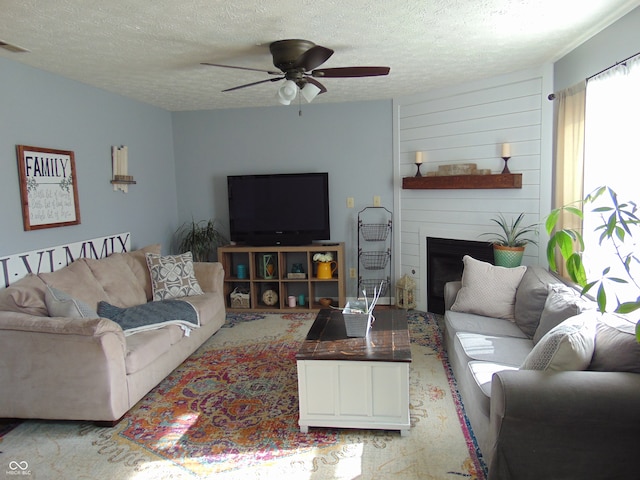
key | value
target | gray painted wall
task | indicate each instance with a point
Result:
(45, 110)
(613, 44)
(351, 141)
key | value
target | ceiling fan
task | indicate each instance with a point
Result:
(297, 61)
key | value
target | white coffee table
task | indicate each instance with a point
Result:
(355, 382)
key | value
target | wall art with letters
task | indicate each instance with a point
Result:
(48, 187)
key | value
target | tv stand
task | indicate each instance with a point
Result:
(283, 280)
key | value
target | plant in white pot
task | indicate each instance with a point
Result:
(510, 242)
(617, 224)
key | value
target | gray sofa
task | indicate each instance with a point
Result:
(538, 409)
(60, 360)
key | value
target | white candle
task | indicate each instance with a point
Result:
(419, 157)
(506, 150)
(125, 160)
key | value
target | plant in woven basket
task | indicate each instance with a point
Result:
(618, 223)
(201, 238)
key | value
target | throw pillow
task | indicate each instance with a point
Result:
(568, 346)
(25, 296)
(152, 315)
(488, 290)
(530, 298)
(562, 302)
(172, 276)
(617, 349)
(61, 304)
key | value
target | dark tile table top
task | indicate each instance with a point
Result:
(387, 341)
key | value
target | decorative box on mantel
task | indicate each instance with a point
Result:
(502, 180)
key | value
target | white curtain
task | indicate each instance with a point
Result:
(612, 156)
(569, 156)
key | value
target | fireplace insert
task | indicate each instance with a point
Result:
(444, 264)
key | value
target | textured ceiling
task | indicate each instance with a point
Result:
(151, 50)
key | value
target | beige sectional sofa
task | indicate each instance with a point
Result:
(77, 365)
(550, 386)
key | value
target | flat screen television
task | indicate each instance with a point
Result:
(279, 209)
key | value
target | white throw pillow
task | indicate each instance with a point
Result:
(568, 346)
(488, 290)
(61, 304)
(172, 276)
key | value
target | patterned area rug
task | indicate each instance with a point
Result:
(231, 411)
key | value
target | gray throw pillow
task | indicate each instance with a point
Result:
(488, 290)
(617, 349)
(562, 302)
(61, 304)
(568, 346)
(172, 276)
(530, 298)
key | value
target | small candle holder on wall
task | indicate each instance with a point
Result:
(506, 168)
(418, 174)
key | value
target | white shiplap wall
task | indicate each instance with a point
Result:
(468, 124)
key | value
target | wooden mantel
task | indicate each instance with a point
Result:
(502, 180)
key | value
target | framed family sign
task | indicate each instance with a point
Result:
(48, 187)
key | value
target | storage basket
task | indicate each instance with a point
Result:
(375, 260)
(239, 299)
(370, 284)
(356, 319)
(375, 232)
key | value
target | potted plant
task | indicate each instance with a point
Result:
(617, 225)
(509, 244)
(201, 238)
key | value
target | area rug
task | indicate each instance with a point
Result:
(231, 410)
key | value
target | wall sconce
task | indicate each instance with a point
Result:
(120, 165)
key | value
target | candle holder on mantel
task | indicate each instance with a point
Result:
(418, 174)
(506, 168)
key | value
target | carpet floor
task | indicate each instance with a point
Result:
(230, 411)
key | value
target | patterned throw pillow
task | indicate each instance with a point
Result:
(569, 346)
(488, 290)
(172, 276)
(61, 304)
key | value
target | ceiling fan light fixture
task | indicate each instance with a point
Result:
(309, 92)
(281, 100)
(287, 92)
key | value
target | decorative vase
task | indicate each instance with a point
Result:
(507, 256)
(326, 269)
(267, 266)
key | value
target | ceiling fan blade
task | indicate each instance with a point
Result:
(317, 84)
(252, 84)
(345, 72)
(312, 58)
(270, 72)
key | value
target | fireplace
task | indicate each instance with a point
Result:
(444, 264)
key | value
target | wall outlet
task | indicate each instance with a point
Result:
(376, 201)
(350, 202)
(352, 273)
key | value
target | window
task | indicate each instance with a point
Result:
(611, 155)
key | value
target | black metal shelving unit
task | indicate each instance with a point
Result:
(375, 225)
